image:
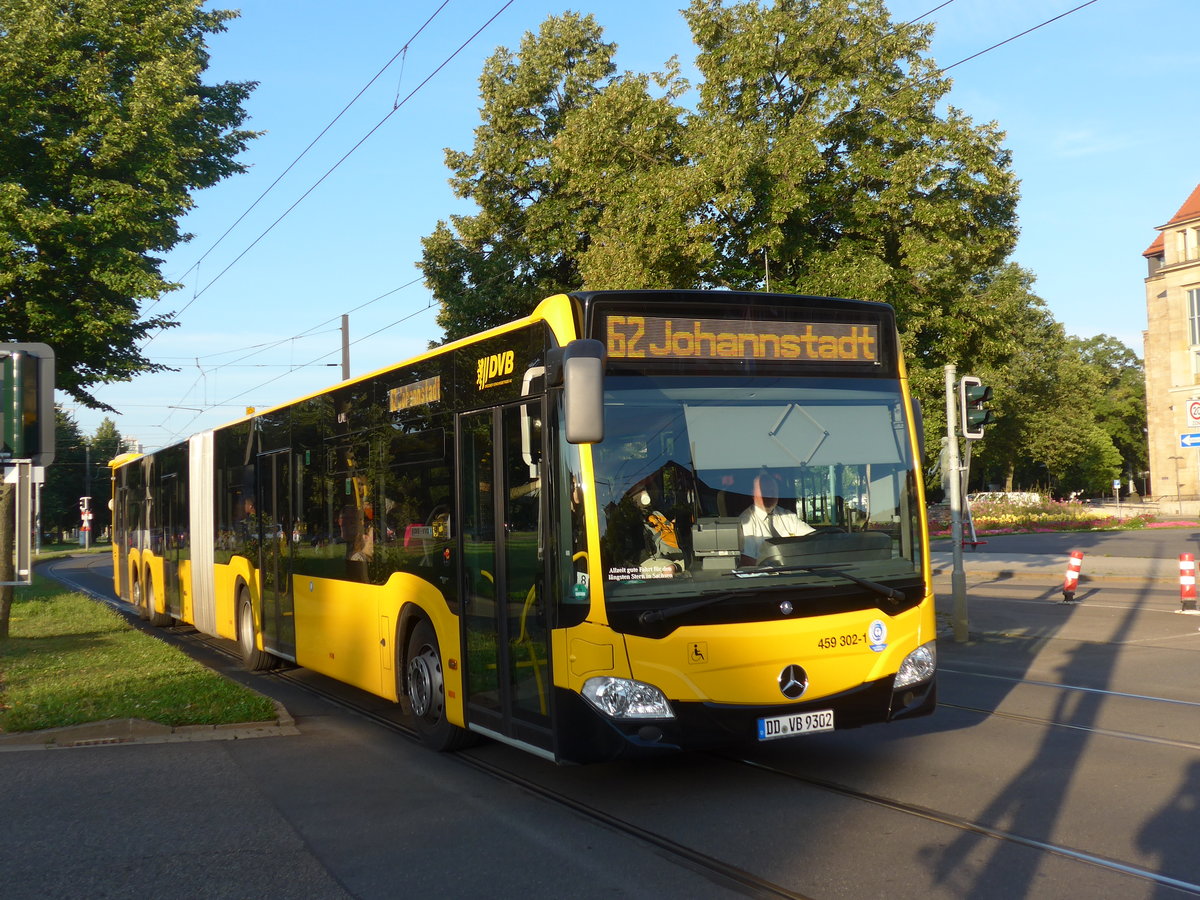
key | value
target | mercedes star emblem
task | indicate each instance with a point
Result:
(793, 682)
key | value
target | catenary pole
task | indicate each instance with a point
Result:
(958, 577)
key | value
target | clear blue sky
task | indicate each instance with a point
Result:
(1099, 109)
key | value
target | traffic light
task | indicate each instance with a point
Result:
(972, 394)
(27, 403)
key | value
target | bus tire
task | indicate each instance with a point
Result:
(255, 660)
(137, 598)
(427, 691)
(157, 619)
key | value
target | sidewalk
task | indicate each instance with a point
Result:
(341, 811)
(1050, 568)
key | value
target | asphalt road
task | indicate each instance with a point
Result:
(1063, 761)
(1147, 543)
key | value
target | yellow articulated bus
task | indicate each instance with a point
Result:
(633, 522)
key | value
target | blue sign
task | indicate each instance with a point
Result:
(1192, 439)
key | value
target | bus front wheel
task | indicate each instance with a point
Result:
(254, 659)
(427, 691)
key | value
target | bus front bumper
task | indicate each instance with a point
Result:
(586, 735)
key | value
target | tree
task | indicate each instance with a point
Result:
(64, 479)
(494, 266)
(818, 130)
(105, 130)
(104, 445)
(815, 158)
(1047, 432)
(1120, 406)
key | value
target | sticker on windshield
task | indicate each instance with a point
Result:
(650, 570)
(877, 634)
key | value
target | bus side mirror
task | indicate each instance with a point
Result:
(583, 391)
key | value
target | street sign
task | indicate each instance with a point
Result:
(1190, 439)
(1193, 412)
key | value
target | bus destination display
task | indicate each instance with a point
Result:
(686, 337)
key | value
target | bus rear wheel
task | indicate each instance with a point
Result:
(254, 659)
(156, 618)
(427, 692)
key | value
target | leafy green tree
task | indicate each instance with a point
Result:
(104, 445)
(815, 157)
(1045, 436)
(105, 130)
(64, 479)
(625, 161)
(818, 129)
(1120, 405)
(523, 244)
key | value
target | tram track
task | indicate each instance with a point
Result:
(691, 858)
(1086, 729)
(729, 874)
(732, 876)
(965, 825)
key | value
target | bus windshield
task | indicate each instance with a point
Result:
(715, 484)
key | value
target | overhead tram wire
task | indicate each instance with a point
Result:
(228, 401)
(270, 345)
(395, 108)
(400, 103)
(1061, 15)
(403, 51)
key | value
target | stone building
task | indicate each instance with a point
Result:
(1172, 355)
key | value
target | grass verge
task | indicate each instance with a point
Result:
(70, 660)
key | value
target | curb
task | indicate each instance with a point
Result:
(139, 731)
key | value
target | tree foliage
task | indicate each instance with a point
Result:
(64, 479)
(1054, 427)
(105, 130)
(1120, 404)
(818, 155)
(494, 266)
(815, 157)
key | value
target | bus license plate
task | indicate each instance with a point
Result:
(800, 723)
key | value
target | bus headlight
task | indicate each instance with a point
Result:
(918, 666)
(623, 698)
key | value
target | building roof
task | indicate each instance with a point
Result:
(1190, 210)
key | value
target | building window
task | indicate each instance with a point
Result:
(1193, 296)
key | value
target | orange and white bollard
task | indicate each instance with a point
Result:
(1187, 582)
(1074, 564)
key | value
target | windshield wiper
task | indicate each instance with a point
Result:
(874, 586)
(707, 598)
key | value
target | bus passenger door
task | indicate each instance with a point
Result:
(275, 526)
(508, 681)
(172, 541)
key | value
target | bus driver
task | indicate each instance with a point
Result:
(765, 519)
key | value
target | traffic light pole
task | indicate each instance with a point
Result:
(958, 577)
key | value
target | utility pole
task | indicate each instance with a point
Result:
(958, 576)
(345, 347)
(86, 500)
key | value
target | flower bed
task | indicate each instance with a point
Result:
(1003, 517)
